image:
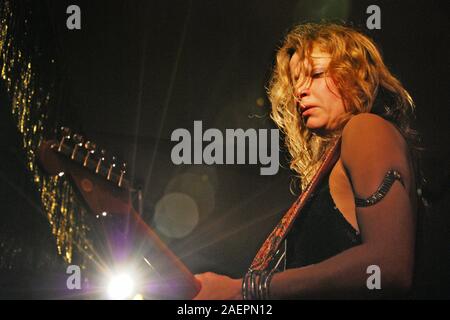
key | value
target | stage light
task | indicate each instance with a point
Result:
(138, 297)
(120, 287)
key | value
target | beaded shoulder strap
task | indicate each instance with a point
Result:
(271, 244)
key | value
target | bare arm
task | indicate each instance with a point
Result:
(370, 147)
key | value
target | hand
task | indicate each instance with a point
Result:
(218, 287)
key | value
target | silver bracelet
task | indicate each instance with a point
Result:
(256, 284)
(244, 287)
(253, 285)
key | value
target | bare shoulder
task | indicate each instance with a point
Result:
(371, 146)
(370, 131)
(371, 126)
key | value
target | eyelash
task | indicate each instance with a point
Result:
(318, 74)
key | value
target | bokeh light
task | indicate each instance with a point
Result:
(176, 215)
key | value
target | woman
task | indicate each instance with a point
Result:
(332, 94)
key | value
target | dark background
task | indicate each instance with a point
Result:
(137, 70)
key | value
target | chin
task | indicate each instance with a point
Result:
(315, 124)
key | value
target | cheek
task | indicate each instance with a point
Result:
(333, 97)
(332, 89)
(336, 107)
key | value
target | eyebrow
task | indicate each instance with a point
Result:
(318, 64)
(320, 57)
(317, 61)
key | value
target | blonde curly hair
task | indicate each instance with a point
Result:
(357, 69)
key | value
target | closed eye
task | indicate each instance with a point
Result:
(318, 74)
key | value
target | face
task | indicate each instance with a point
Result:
(317, 99)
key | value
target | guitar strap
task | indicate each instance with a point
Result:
(270, 246)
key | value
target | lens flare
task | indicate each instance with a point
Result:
(120, 287)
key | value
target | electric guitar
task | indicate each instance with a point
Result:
(106, 194)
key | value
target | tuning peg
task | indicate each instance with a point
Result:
(65, 135)
(90, 147)
(111, 166)
(65, 131)
(78, 139)
(100, 160)
(122, 173)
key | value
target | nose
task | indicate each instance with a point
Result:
(301, 93)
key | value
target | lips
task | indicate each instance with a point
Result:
(305, 109)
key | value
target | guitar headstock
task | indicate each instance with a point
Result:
(105, 191)
(98, 177)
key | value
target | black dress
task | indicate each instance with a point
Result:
(319, 232)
